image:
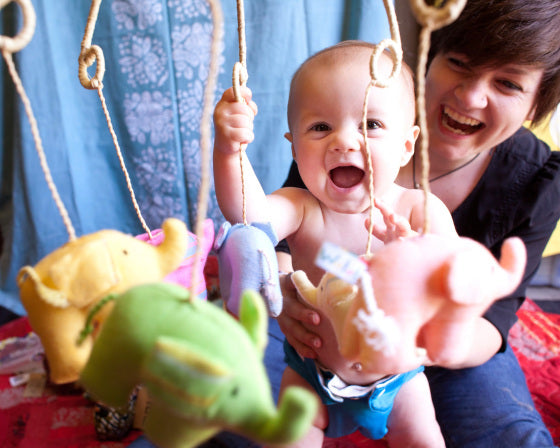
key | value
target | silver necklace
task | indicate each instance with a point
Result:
(417, 185)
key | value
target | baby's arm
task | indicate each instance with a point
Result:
(233, 125)
(440, 220)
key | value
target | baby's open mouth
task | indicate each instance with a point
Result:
(458, 123)
(346, 176)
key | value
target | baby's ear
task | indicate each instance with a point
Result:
(288, 136)
(409, 142)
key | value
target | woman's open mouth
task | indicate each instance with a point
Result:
(346, 176)
(459, 124)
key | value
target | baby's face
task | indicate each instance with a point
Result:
(326, 130)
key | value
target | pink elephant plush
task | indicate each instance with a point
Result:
(425, 297)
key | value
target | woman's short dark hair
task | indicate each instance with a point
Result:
(499, 32)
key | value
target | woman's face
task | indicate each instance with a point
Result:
(472, 109)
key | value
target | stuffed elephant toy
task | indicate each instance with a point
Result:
(201, 367)
(247, 260)
(426, 294)
(59, 292)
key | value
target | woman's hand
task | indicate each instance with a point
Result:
(295, 315)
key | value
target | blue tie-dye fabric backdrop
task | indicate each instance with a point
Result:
(157, 56)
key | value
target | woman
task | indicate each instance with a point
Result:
(498, 181)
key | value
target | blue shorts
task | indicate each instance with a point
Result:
(368, 413)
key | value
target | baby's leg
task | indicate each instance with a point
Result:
(412, 422)
(315, 436)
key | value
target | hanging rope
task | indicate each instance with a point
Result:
(394, 46)
(239, 78)
(430, 18)
(206, 135)
(89, 55)
(9, 45)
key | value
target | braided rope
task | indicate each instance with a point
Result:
(206, 136)
(18, 42)
(90, 54)
(9, 45)
(239, 78)
(394, 46)
(431, 18)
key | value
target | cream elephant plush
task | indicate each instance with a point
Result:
(426, 294)
(59, 291)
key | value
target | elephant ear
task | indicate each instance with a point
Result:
(254, 318)
(85, 275)
(222, 235)
(183, 376)
(266, 227)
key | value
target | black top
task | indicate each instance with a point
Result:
(518, 195)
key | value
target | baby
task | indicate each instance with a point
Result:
(325, 122)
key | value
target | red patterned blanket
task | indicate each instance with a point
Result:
(535, 338)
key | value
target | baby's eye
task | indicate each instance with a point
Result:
(320, 127)
(373, 124)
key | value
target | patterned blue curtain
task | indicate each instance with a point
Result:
(157, 59)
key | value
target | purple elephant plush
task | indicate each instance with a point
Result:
(247, 260)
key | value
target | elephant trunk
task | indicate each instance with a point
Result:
(304, 287)
(513, 260)
(296, 411)
(174, 246)
(50, 295)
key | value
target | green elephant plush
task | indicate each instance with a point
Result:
(202, 369)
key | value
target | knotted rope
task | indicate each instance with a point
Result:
(206, 134)
(394, 46)
(9, 45)
(239, 78)
(430, 18)
(89, 55)
(93, 53)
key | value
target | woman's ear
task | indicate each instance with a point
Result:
(531, 114)
(409, 143)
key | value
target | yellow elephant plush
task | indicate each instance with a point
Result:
(59, 292)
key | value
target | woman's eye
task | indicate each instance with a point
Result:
(511, 85)
(320, 127)
(457, 63)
